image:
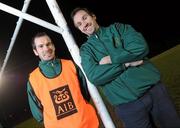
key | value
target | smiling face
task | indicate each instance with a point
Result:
(85, 22)
(44, 48)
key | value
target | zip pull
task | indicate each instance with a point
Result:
(52, 64)
(96, 36)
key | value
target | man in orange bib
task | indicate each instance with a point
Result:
(57, 90)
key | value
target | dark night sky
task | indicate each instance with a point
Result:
(158, 22)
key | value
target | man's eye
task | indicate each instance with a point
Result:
(49, 44)
(78, 25)
(40, 46)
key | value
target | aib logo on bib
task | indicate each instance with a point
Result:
(63, 102)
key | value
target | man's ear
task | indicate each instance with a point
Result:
(94, 16)
(35, 52)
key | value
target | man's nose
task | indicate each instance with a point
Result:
(46, 47)
(84, 24)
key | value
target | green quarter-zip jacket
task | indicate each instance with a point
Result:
(124, 44)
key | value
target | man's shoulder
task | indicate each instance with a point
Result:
(67, 61)
(118, 25)
(86, 44)
(34, 70)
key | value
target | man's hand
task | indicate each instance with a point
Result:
(105, 60)
(134, 63)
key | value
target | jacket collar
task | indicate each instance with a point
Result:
(50, 68)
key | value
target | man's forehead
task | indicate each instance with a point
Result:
(80, 14)
(43, 39)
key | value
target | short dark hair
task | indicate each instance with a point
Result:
(81, 8)
(39, 34)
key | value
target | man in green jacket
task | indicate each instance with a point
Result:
(111, 58)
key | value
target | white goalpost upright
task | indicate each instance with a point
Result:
(13, 39)
(74, 50)
(72, 47)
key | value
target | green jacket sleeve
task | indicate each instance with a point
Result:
(99, 74)
(132, 47)
(35, 105)
(83, 84)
